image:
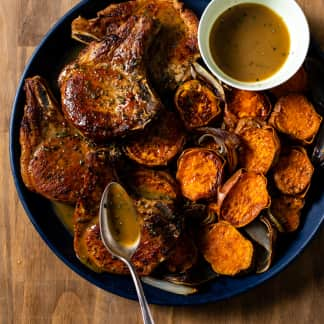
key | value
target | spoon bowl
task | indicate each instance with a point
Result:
(119, 228)
(120, 233)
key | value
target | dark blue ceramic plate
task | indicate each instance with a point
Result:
(53, 52)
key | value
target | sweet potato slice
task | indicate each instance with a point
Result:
(199, 173)
(197, 104)
(152, 184)
(259, 146)
(293, 172)
(286, 210)
(296, 117)
(225, 248)
(298, 83)
(159, 143)
(244, 103)
(242, 197)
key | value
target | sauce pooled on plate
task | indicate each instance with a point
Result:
(249, 42)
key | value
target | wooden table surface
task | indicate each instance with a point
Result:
(36, 287)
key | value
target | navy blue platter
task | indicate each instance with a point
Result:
(48, 59)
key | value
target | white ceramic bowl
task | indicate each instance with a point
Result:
(298, 30)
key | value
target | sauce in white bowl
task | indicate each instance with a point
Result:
(281, 35)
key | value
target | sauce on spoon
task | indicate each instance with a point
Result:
(123, 220)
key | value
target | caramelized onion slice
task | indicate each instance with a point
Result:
(169, 286)
(200, 101)
(194, 277)
(262, 232)
(198, 72)
(224, 142)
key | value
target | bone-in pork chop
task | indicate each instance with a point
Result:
(160, 228)
(54, 156)
(172, 51)
(105, 91)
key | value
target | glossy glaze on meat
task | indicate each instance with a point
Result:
(52, 153)
(160, 228)
(54, 156)
(172, 51)
(105, 91)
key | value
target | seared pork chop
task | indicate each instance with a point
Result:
(171, 53)
(105, 91)
(53, 154)
(160, 228)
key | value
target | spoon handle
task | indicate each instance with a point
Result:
(146, 313)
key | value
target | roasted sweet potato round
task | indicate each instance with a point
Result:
(224, 247)
(244, 103)
(293, 172)
(296, 117)
(242, 197)
(286, 210)
(298, 83)
(159, 143)
(152, 184)
(259, 147)
(199, 173)
(197, 104)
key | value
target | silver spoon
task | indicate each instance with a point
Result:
(120, 233)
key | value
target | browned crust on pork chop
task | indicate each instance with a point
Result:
(52, 153)
(105, 91)
(173, 50)
(159, 227)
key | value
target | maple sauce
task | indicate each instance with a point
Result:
(249, 42)
(122, 217)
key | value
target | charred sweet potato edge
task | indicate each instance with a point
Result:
(206, 190)
(205, 109)
(303, 192)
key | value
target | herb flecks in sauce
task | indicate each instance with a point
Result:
(122, 218)
(249, 42)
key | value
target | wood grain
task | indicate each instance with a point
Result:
(36, 287)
